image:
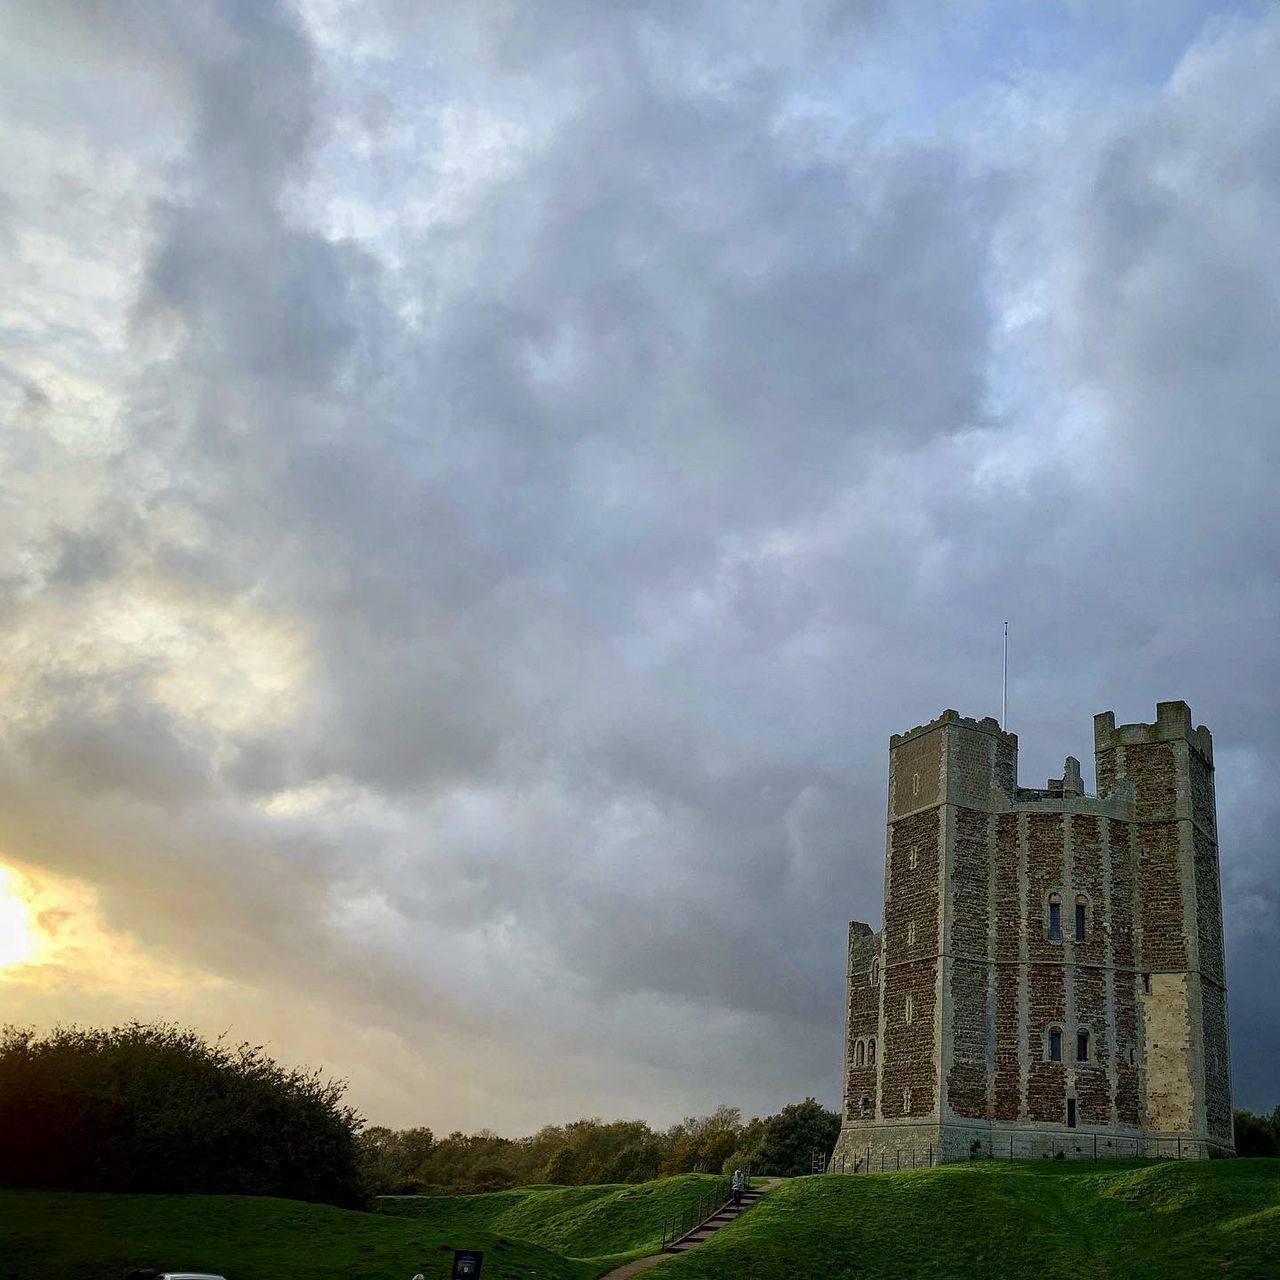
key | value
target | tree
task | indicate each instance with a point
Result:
(158, 1108)
(1257, 1135)
(786, 1142)
(391, 1161)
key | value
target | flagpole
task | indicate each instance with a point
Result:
(1004, 683)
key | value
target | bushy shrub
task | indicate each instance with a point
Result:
(1257, 1135)
(158, 1108)
(784, 1144)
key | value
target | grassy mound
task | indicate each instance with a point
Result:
(611, 1221)
(1050, 1221)
(1042, 1220)
(87, 1236)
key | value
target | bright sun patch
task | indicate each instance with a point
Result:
(18, 934)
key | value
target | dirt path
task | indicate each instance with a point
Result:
(643, 1264)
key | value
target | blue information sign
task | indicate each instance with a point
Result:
(466, 1264)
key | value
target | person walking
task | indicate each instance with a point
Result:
(739, 1182)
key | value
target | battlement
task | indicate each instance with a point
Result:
(988, 724)
(1172, 724)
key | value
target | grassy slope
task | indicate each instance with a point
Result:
(612, 1221)
(70, 1236)
(1120, 1219)
(1033, 1219)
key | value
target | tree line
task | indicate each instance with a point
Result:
(415, 1161)
(156, 1107)
(1257, 1135)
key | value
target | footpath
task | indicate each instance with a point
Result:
(699, 1235)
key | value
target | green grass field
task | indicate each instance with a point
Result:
(610, 1222)
(1114, 1220)
(81, 1236)
(1150, 1221)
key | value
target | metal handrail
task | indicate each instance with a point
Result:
(709, 1203)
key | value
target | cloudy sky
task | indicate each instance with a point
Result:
(481, 482)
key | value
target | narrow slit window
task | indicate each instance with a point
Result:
(906, 1100)
(859, 1054)
(907, 1008)
(1071, 1113)
(1082, 1046)
(911, 934)
(1055, 1045)
(1146, 984)
(875, 973)
(871, 1052)
(1055, 918)
(1081, 906)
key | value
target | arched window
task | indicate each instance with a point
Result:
(859, 1053)
(907, 1008)
(1055, 918)
(1082, 1045)
(871, 1052)
(1082, 907)
(1055, 1044)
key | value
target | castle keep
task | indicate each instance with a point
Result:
(1050, 971)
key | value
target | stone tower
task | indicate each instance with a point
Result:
(1050, 972)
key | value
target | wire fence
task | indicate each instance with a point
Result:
(1012, 1146)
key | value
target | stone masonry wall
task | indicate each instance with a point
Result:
(1164, 941)
(1093, 1089)
(1217, 1062)
(1208, 908)
(1152, 768)
(909, 1060)
(970, 938)
(1105, 766)
(862, 1023)
(1142, 857)
(1046, 1081)
(1202, 805)
(1125, 994)
(1007, 1093)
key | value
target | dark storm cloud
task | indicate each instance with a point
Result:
(553, 551)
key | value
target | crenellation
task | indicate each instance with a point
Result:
(1053, 960)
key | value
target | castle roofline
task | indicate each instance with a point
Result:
(988, 724)
(1172, 724)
